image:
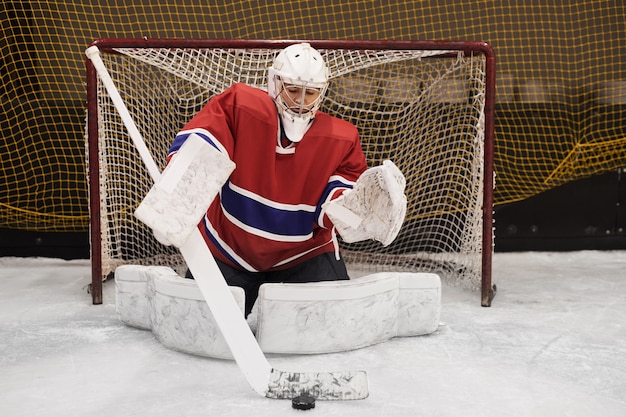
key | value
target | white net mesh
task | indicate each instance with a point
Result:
(422, 109)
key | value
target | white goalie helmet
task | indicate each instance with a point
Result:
(297, 82)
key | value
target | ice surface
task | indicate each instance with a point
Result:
(552, 344)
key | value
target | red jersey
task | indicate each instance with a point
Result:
(269, 213)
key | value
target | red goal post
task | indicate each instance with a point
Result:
(426, 105)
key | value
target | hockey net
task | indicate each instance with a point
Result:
(427, 106)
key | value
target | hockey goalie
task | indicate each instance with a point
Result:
(269, 180)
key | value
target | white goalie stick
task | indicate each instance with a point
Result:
(265, 380)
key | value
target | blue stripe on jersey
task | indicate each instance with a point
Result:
(181, 137)
(330, 188)
(279, 220)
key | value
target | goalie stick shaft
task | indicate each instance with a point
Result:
(94, 55)
(348, 385)
(227, 314)
(237, 333)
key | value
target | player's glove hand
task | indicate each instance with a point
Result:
(374, 208)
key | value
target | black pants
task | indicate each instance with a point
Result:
(323, 267)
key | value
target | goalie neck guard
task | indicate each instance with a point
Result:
(297, 82)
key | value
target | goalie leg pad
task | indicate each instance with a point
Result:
(302, 318)
(156, 298)
(181, 196)
(335, 316)
(132, 298)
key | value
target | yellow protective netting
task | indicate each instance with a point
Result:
(561, 82)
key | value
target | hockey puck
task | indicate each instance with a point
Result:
(303, 402)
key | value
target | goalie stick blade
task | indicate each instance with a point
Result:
(331, 386)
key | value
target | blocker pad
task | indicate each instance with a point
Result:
(188, 185)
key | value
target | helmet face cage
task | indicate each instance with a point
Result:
(298, 97)
(297, 82)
